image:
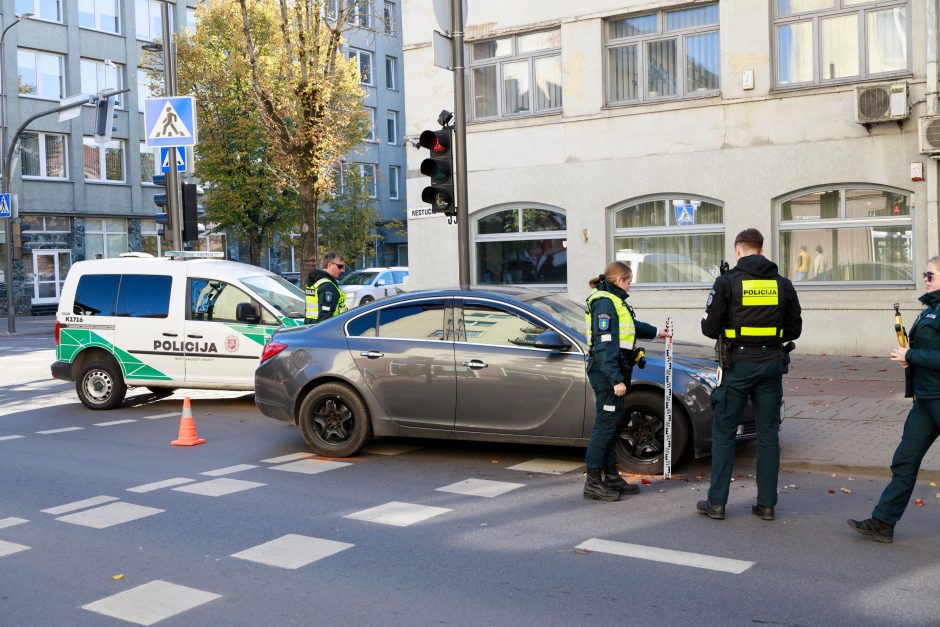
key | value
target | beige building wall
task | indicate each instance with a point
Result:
(744, 148)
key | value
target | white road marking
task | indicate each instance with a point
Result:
(9, 522)
(71, 507)
(398, 514)
(109, 515)
(158, 416)
(9, 548)
(227, 471)
(168, 483)
(151, 602)
(548, 466)
(63, 430)
(667, 556)
(383, 448)
(310, 466)
(481, 487)
(292, 551)
(219, 487)
(287, 458)
(114, 422)
(11, 437)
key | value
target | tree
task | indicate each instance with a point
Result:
(244, 193)
(308, 95)
(347, 225)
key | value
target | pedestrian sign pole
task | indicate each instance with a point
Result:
(667, 414)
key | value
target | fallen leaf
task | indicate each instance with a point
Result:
(739, 476)
(661, 491)
(850, 478)
(495, 461)
(482, 524)
(118, 577)
(932, 484)
(831, 491)
(582, 551)
(846, 490)
(833, 475)
(919, 502)
(645, 481)
(938, 495)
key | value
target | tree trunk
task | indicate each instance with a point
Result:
(254, 249)
(309, 255)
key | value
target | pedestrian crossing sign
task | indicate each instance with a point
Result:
(685, 212)
(6, 206)
(165, 159)
(170, 121)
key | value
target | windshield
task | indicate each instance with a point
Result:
(285, 297)
(358, 278)
(563, 309)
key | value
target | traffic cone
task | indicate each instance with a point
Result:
(188, 435)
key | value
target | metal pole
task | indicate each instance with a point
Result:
(175, 223)
(460, 129)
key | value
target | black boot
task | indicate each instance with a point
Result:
(594, 488)
(615, 482)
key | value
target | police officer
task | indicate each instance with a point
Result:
(751, 311)
(922, 382)
(323, 297)
(612, 330)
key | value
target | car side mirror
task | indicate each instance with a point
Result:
(551, 340)
(246, 312)
(380, 283)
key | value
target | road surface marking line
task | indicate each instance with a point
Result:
(151, 603)
(481, 487)
(11, 437)
(109, 515)
(114, 422)
(292, 551)
(219, 487)
(9, 522)
(63, 430)
(667, 556)
(156, 485)
(310, 466)
(227, 471)
(548, 466)
(158, 416)
(288, 458)
(9, 548)
(71, 507)
(398, 514)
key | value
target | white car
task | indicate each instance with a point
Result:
(364, 286)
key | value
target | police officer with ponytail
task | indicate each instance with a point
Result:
(754, 314)
(612, 330)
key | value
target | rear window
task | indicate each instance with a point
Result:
(96, 295)
(144, 296)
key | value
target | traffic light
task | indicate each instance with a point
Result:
(160, 200)
(439, 167)
(26, 239)
(192, 211)
(104, 119)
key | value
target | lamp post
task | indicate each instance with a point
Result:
(8, 228)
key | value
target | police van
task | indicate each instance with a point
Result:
(187, 320)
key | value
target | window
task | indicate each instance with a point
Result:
(104, 162)
(100, 75)
(367, 171)
(191, 19)
(522, 245)
(41, 9)
(394, 176)
(415, 321)
(145, 88)
(149, 25)
(846, 234)
(825, 41)
(669, 54)
(364, 326)
(144, 296)
(149, 156)
(361, 14)
(391, 72)
(99, 15)
(105, 236)
(670, 240)
(214, 300)
(371, 136)
(388, 17)
(518, 75)
(483, 323)
(43, 155)
(40, 74)
(150, 242)
(391, 127)
(95, 294)
(364, 59)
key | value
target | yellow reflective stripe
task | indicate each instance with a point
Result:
(760, 331)
(729, 333)
(759, 293)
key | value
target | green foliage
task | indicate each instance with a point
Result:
(347, 225)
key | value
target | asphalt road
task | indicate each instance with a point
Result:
(102, 522)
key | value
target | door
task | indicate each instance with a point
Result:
(505, 384)
(384, 285)
(405, 353)
(49, 270)
(149, 323)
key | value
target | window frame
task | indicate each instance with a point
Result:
(36, 11)
(838, 10)
(391, 73)
(371, 137)
(394, 174)
(39, 83)
(151, 5)
(43, 157)
(374, 192)
(88, 142)
(101, 76)
(391, 127)
(359, 54)
(105, 232)
(388, 16)
(117, 5)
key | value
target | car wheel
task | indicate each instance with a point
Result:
(334, 421)
(101, 385)
(640, 446)
(366, 300)
(160, 392)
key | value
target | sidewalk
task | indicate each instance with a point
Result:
(843, 414)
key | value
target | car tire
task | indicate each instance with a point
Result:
(160, 392)
(365, 300)
(100, 385)
(640, 445)
(334, 421)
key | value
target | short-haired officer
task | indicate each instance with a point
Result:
(324, 299)
(751, 311)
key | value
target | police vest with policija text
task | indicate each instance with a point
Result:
(313, 300)
(627, 330)
(755, 314)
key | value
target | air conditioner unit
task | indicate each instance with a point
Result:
(881, 102)
(928, 135)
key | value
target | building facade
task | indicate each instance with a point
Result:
(653, 131)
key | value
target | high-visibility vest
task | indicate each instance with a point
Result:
(627, 330)
(755, 311)
(313, 300)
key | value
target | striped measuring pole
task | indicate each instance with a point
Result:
(667, 415)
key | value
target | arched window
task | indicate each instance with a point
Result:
(522, 245)
(673, 239)
(846, 234)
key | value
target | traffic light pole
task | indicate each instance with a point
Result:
(460, 130)
(174, 220)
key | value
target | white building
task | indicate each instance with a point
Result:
(654, 131)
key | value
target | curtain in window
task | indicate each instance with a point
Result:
(114, 162)
(692, 18)
(791, 7)
(55, 156)
(623, 82)
(484, 92)
(839, 46)
(701, 58)
(547, 83)
(92, 163)
(887, 40)
(661, 68)
(516, 87)
(29, 154)
(631, 27)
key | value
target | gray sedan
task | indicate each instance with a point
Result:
(501, 364)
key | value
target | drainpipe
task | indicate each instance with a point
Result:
(933, 165)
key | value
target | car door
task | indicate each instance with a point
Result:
(384, 285)
(405, 353)
(505, 384)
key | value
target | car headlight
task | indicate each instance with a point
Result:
(708, 377)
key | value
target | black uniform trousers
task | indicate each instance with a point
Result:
(608, 423)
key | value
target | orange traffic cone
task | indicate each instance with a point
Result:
(188, 435)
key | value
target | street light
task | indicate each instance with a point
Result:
(8, 228)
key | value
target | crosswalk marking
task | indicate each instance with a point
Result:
(9, 522)
(114, 422)
(292, 551)
(151, 602)
(11, 437)
(481, 487)
(668, 556)
(548, 466)
(62, 430)
(109, 515)
(158, 416)
(310, 466)
(9, 548)
(157, 485)
(227, 471)
(398, 514)
(287, 458)
(71, 507)
(219, 487)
